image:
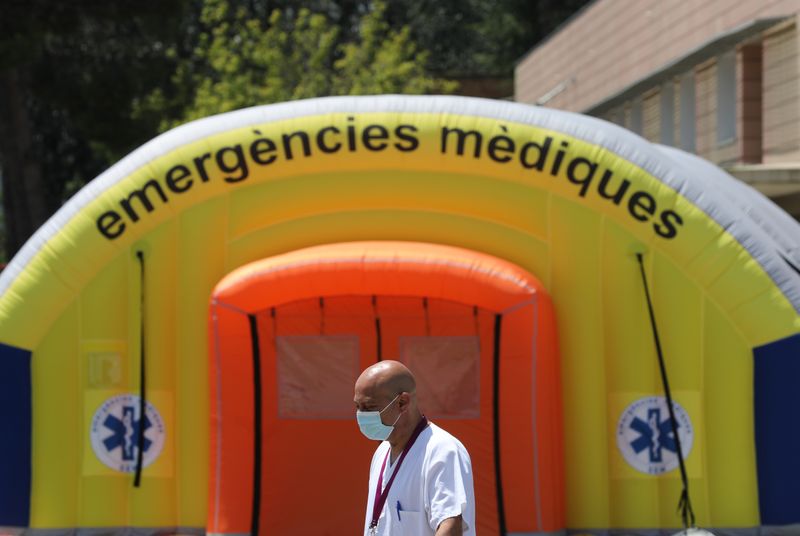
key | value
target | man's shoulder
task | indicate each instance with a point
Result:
(440, 435)
(380, 452)
(441, 441)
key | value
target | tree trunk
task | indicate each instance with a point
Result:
(24, 201)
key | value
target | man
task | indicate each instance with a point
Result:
(420, 480)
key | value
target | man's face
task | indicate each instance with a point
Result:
(369, 398)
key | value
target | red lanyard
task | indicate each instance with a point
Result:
(381, 496)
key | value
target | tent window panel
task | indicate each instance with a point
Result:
(316, 374)
(447, 370)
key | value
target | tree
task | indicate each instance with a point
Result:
(241, 60)
(68, 71)
(83, 82)
(469, 38)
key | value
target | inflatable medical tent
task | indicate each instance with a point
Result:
(179, 342)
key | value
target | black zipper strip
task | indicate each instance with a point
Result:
(137, 479)
(378, 335)
(501, 514)
(685, 503)
(256, 509)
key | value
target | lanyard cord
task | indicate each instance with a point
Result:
(382, 495)
(137, 479)
(685, 503)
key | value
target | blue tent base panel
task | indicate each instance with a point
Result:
(107, 531)
(15, 436)
(786, 530)
(777, 423)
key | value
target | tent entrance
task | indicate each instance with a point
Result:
(287, 457)
(311, 353)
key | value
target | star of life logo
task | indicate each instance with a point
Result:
(114, 433)
(645, 438)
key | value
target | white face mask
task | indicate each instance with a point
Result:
(370, 424)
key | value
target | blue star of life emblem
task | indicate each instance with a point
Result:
(654, 435)
(645, 438)
(115, 432)
(125, 433)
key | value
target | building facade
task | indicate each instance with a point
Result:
(719, 78)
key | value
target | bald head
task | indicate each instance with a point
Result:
(389, 388)
(388, 378)
(381, 382)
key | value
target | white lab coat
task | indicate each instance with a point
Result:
(433, 484)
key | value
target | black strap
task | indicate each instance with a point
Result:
(790, 263)
(501, 515)
(685, 502)
(137, 479)
(378, 336)
(256, 507)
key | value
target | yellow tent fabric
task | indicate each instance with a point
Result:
(570, 199)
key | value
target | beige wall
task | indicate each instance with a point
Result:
(749, 93)
(746, 106)
(614, 43)
(652, 115)
(676, 112)
(705, 107)
(781, 97)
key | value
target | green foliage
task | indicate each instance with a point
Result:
(68, 72)
(241, 60)
(468, 38)
(82, 82)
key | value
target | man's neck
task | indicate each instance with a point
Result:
(403, 434)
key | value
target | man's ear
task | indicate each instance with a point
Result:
(403, 401)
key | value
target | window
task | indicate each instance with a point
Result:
(316, 374)
(667, 134)
(636, 121)
(726, 98)
(447, 370)
(617, 116)
(687, 113)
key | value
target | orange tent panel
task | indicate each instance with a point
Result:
(365, 301)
